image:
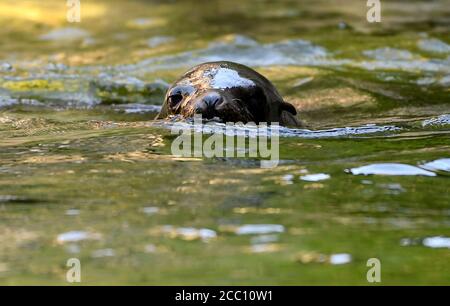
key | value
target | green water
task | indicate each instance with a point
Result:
(78, 152)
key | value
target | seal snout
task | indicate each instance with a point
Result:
(207, 104)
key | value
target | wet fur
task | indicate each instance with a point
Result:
(260, 103)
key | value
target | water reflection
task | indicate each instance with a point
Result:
(390, 169)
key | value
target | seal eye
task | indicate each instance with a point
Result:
(175, 99)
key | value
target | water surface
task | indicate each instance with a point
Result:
(85, 173)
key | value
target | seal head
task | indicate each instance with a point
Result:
(230, 92)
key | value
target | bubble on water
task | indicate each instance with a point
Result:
(340, 259)
(437, 242)
(77, 236)
(65, 34)
(257, 229)
(433, 45)
(315, 177)
(390, 169)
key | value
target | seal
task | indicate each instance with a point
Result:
(229, 91)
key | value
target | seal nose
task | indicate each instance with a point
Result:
(207, 104)
(211, 100)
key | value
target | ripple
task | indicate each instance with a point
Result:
(299, 52)
(242, 50)
(213, 127)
